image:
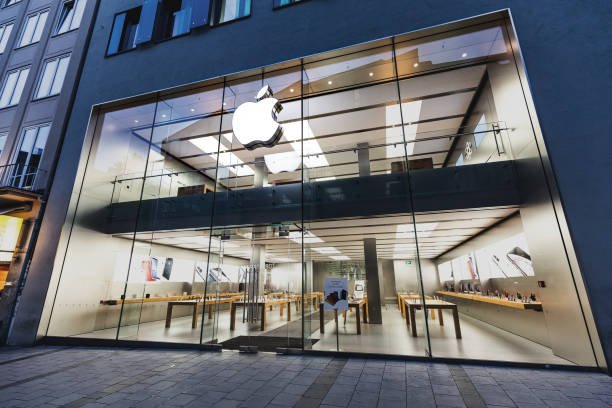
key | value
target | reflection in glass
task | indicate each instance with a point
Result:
(228, 10)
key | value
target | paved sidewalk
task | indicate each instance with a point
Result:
(104, 377)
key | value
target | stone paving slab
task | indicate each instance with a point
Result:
(75, 377)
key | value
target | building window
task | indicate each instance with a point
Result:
(53, 76)
(228, 10)
(282, 3)
(28, 156)
(12, 87)
(3, 137)
(10, 2)
(70, 15)
(173, 18)
(34, 26)
(5, 33)
(123, 35)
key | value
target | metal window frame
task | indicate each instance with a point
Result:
(126, 12)
(36, 14)
(58, 23)
(42, 73)
(3, 28)
(4, 81)
(17, 149)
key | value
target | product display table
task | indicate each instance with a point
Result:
(401, 297)
(353, 304)
(111, 302)
(195, 304)
(263, 307)
(537, 306)
(412, 305)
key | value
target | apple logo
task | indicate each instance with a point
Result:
(285, 161)
(255, 123)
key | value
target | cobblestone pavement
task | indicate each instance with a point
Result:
(108, 377)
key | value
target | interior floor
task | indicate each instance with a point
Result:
(479, 340)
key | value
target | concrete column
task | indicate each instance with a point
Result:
(259, 260)
(363, 155)
(373, 281)
(261, 172)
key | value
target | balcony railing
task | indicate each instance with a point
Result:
(21, 177)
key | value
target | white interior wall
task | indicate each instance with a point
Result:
(287, 277)
(406, 277)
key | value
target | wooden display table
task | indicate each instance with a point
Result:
(537, 306)
(412, 305)
(195, 304)
(111, 302)
(353, 304)
(263, 306)
(401, 297)
(312, 299)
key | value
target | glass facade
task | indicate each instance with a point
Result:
(405, 170)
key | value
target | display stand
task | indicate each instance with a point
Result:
(337, 330)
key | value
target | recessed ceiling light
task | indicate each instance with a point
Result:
(329, 82)
(416, 64)
(192, 110)
(164, 115)
(340, 258)
(136, 121)
(464, 55)
(291, 90)
(371, 74)
(224, 103)
(325, 250)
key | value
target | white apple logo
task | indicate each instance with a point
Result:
(285, 161)
(255, 123)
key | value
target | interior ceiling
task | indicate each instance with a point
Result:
(432, 105)
(342, 239)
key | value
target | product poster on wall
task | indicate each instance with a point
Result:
(509, 258)
(336, 294)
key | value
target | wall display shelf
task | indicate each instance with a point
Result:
(536, 306)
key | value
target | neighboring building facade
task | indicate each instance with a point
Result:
(41, 48)
(414, 163)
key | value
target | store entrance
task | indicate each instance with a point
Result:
(253, 288)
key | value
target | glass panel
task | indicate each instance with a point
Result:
(174, 245)
(117, 32)
(264, 182)
(44, 88)
(227, 10)
(78, 14)
(60, 75)
(40, 26)
(5, 34)
(480, 223)
(173, 18)
(23, 76)
(27, 157)
(3, 137)
(8, 88)
(66, 16)
(281, 3)
(28, 31)
(357, 204)
(105, 219)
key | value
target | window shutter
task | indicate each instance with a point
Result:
(147, 21)
(200, 13)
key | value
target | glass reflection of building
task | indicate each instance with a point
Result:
(405, 166)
